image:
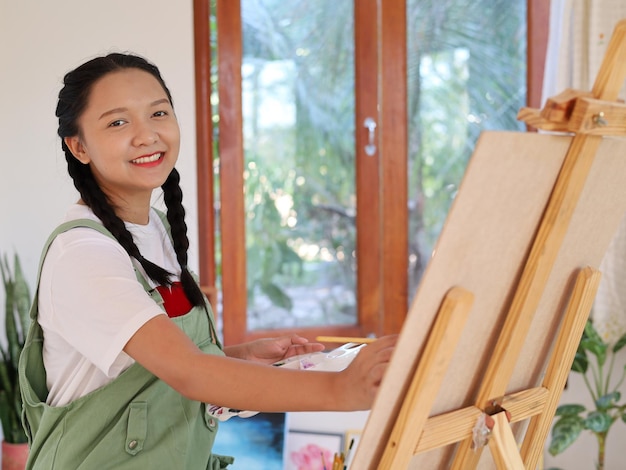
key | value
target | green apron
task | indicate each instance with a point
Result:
(136, 421)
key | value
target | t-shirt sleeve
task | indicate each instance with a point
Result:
(90, 296)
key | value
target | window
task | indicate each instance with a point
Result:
(312, 200)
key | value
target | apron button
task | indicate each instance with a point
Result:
(132, 444)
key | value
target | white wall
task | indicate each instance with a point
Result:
(39, 43)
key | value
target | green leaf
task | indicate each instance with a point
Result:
(255, 259)
(22, 300)
(4, 270)
(5, 412)
(277, 295)
(564, 432)
(570, 410)
(17, 309)
(620, 343)
(581, 363)
(598, 421)
(290, 257)
(567, 424)
(7, 380)
(271, 261)
(595, 347)
(10, 328)
(607, 401)
(591, 333)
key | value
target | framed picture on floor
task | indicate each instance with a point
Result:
(257, 442)
(351, 442)
(310, 450)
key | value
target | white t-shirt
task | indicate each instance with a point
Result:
(91, 304)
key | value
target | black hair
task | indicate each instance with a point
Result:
(73, 99)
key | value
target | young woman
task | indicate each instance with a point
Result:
(122, 355)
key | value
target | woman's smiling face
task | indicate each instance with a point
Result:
(129, 135)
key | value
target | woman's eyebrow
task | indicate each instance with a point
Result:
(112, 111)
(161, 101)
(121, 110)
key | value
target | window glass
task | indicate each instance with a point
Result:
(466, 64)
(298, 108)
(466, 73)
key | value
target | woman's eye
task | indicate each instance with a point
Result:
(116, 123)
(160, 113)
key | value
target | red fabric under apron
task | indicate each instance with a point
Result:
(175, 301)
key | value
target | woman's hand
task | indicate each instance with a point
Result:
(270, 350)
(361, 379)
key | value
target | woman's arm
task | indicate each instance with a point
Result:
(164, 349)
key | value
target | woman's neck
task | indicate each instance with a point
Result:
(129, 213)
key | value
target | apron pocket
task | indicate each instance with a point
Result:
(137, 427)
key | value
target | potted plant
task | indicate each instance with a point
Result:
(17, 307)
(595, 360)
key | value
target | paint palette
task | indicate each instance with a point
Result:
(332, 361)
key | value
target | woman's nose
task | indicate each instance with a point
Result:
(145, 135)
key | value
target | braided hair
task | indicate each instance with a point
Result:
(73, 99)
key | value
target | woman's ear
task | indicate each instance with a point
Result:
(77, 148)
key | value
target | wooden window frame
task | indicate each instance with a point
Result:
(381, 286)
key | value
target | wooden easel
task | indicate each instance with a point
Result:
(590, 116)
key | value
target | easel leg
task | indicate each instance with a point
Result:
(503, 446)
(423, 388)
(564, 351)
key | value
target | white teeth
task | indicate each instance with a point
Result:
(151, 158)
